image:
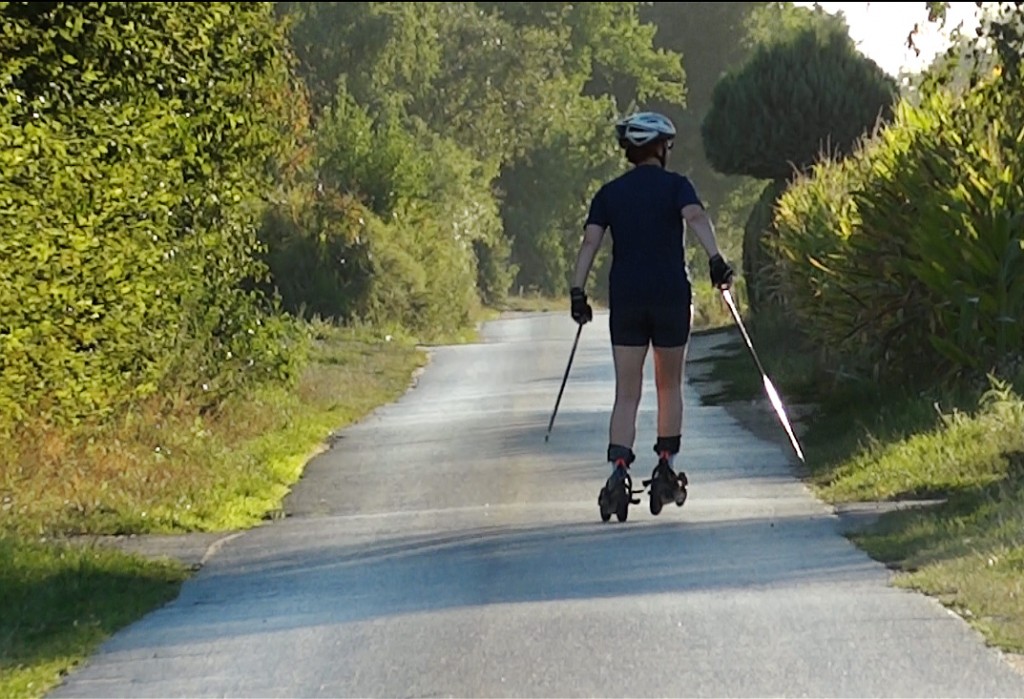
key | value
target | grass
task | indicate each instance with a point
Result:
(163, 469)
(794, 374)
(959, 445)
(535, 303)
(968, 553)
(710, 312)
(166, 469)
(61, 602)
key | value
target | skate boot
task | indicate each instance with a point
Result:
(666, 486)
(617, 494)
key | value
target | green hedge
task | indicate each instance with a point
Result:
(137, 142)
(907, 259)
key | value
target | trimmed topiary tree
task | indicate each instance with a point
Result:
(804, 93)
(793, 99)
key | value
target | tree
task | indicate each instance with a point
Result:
(710, 38)
(522, 87)
(610, 45)
(385, 54)
(805, 93)
(779, 22)
(608, 65)
(997, 44)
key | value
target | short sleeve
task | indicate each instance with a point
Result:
(598, 214)
(686, 194)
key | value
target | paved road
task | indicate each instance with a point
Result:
(442, 548)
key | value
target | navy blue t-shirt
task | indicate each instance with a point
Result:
(643, 209)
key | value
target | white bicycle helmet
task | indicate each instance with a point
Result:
(643, 128)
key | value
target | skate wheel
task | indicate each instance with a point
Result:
(602, 501)
(622, 511)
(680, 499)
(655, 504)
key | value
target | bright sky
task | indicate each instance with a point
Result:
(880, 30)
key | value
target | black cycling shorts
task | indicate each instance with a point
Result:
(658, 325)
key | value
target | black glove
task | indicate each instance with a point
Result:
(721, 272)
(581, 310)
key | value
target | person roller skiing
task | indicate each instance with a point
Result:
(650, 300)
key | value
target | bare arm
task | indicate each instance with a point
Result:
(592, 237)
(699, 221)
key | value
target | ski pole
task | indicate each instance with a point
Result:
(566, 376)
(769, 388)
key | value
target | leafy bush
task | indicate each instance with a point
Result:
(317, 254)
(517, 90)
(908, 258)
(137, 141)
(392, 231)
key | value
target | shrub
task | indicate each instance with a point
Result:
(137, 141)
(908, 259)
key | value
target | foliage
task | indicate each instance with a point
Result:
(609, 45)
(908, 259)
(806, 93)
(447, 69)
(544, 228)
(171, 171)
(137, 142)
(1000, 35)
(709, 36)
(771, 23)
(392, 231)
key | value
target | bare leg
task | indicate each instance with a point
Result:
(629, 376)
(668, 377)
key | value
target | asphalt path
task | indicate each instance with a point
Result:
(442, 548)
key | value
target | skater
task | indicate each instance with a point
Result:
(650, 299)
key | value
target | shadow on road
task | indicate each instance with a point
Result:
(316, 583)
